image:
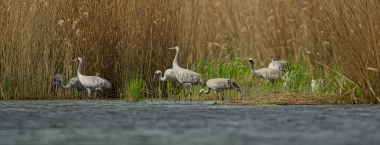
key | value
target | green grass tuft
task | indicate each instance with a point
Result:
(135, 89)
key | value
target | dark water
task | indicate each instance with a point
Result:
(184, 123)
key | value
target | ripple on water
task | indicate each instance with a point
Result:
(153, 122)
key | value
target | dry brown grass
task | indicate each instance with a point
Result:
(337, 38)
(122, 39)
(117, 38)
(350, 31)
(293, 99)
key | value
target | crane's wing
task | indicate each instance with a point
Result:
(186, 76)
(218, 83)
(170, 73)
(105, 84)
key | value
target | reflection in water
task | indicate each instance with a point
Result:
(119, 122)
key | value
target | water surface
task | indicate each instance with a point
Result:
(185, 123)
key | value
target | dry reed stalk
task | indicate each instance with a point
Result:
(351, 28)
(121, 39)
(41, 39)
(2, 92)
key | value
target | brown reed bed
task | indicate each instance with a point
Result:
(125, 39)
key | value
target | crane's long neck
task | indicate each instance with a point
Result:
(67, 86)
(175, 61)
(204, 91)
(253, 66)
(163, 78)
(79, 72)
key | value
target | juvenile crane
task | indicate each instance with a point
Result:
(281, 65)
(267, 73)
(91, 83)
(185, 77)
(73, 83)
(169, 73)
(219, 85)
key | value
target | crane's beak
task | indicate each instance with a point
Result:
(75, 59)
(171, 48)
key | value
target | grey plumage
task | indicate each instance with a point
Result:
(186, 77)
(267, 73)
(281, 65)
(92, 83)
(73, 83)
(219, 85)
(169, 73)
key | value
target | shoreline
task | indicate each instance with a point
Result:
(265, 99)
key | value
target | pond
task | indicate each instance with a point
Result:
(184, 123)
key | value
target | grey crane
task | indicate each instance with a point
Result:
(281, 65)
(267, 73)
(73, 83)
(91, 83)
(186, 77)
(219, 85)
(169, 73)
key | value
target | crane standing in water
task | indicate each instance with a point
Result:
(91, 83)
(73, 83)
(271, 74)
(169, 73)
(219, 85)
(185, 77)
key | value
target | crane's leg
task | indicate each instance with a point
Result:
(187, 90)
(184, 86)
(179, 90)
(191, 93)
(217, 95)
(79, 92)
(221, 94)
(95, 91)
(89, 93)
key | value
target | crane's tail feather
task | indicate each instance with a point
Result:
(106, 85)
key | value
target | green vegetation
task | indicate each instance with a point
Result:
(135, 89)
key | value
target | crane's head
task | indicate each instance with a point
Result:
(97, 74)
(57, 80)
(79, 58)
(157, 73)
(251, 60)
(233, 85)
(175, 47)
(283, 65)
